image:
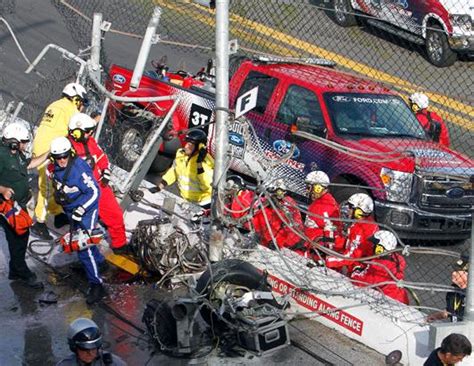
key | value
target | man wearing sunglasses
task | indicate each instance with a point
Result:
(76, 190)
(81, 129)
(14, 185)
(54, 123)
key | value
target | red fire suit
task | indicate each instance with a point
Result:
(110, 212)
(320, 213)
(425, 118)
(283, 233)
(356, 245)
(381, 270)
(240, 206)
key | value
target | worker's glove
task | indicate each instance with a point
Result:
(78, 213)
(106, 176)
(201, 155)
(155, 189)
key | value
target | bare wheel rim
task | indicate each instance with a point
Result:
(435, 46)
(340, 10)
(132, 144)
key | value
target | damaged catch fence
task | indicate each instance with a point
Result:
(348, 115)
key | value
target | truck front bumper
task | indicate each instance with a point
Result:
(410, 222)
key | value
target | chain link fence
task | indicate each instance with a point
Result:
(349, 116)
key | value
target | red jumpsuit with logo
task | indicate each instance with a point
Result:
(384, 269)
(356, 245)
(240, 206)
(425, 118)
(320, 213)
(285, 237)
(110, 212)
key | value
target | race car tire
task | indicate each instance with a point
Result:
(437, 47)
(341, 13)
(231, 271)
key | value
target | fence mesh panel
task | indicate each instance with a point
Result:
(355, 117)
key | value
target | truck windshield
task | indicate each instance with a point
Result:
(376, 115)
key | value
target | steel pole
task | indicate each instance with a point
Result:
(469, 309)
(95, 45)
(145, 48)
(221, 136)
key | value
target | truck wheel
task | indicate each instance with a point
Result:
(341, 13)
(437, 47)
(131, 138)
(343, 193)
(224, 274)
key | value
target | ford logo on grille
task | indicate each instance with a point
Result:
(236, 139)
(455, 192)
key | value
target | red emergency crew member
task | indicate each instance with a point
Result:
(81, 128)
(389, 267)
(431, 122)
(284, 231)
(356, 244)
(239, 201)
(323, 210)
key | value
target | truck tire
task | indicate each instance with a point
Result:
(437, 47)
(341, 13)
(342, 194)
(229, 271)
(131, 138)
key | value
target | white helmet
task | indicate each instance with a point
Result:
(386, 238)
(420, 99)
(73, 89)
(81, 121)
(362, 201)
(84, 333)
(60, 146)
(317, 177)
(16, 131)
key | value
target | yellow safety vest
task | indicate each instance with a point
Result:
(53, 124)
(192, 186)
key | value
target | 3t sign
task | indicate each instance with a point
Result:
(199, 116)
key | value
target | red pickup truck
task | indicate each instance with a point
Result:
(358, 131)
(444, 27)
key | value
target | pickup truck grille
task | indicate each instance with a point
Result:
(446, 194)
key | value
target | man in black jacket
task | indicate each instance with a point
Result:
(453, 350)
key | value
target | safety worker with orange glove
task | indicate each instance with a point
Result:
(54, 123)
(81, 129)
(388, 267)
(356, 245)
(192, 169)
(431, 122)
(76, 190)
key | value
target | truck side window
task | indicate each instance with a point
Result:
(300, 102)
(266, 85)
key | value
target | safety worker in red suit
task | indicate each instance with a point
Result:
(77, 191)
(322, 222)
(387, 267)
(238, 202)
(431, 122)
(356, 244)
(81, 128)
(54, 123)
(192, 170)
(282, 222)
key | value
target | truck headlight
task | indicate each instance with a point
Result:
(397, 184)
(463, 21)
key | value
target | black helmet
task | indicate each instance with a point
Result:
(83, 333)
(196, 137)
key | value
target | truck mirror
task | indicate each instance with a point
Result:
(304, 124)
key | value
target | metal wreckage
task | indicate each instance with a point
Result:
(221, 284)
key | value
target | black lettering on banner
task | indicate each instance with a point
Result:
(199, 116)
